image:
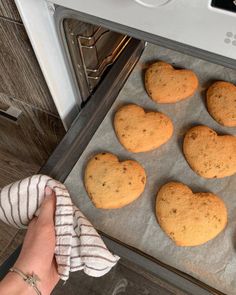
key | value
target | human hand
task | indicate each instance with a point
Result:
(37, 254)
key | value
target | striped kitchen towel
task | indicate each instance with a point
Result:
(78, 245)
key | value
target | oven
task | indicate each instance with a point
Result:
(201, 28)
(88, 49)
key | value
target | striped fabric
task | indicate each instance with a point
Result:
(78, 245)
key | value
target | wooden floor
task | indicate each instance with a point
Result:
(28, 139)
(12, 169)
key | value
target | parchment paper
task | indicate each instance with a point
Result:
(214, 262)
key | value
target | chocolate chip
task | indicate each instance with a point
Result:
(143, 180)
(104, 183)
(193, 136)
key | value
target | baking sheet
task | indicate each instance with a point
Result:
(214, 262)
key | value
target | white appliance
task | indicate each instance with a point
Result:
(202, 28)
(205, 29)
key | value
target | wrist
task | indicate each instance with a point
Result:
(13, 284)
(33, 269)
(48, 278)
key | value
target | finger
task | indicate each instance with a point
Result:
(47, 208)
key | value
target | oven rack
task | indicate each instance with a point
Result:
(92, 50)
(91, 43)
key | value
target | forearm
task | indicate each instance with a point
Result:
(13, 284)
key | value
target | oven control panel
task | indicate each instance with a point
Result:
(227, 5)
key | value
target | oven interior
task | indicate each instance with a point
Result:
(92, 51)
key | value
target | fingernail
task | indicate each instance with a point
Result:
(48, 191)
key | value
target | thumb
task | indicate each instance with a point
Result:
(47, 208)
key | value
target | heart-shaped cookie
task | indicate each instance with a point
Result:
(164, 84)
(189, 219)
(208, 154)
(112, 184)
(138, 131)
(221, 103)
